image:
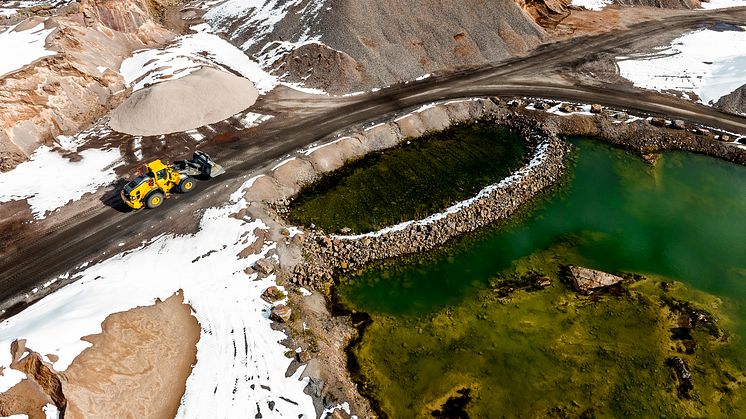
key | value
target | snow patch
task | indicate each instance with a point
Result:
(71, 180)
(594, 5)
(259, 17)
(722, 4)
(252, 119)
(21, 48)
(187, 54)
(710, 63)
(319, 147)
(50, 411)
(284, 162)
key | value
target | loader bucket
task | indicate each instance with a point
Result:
(206, 165)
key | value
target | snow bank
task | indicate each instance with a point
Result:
(710, 63)
(723, 4)
(188, 54)
(240, 363)
(23, 47)
(595, 5)
(48, 180)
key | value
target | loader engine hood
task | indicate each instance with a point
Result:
(128, 188)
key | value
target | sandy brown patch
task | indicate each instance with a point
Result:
(138, 365)
(26, 398)
(204, 97)
(611, 18)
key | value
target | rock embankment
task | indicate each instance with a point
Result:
(330, 255)
(64, 93)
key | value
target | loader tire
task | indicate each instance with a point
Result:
(186, 185)
(154, 199)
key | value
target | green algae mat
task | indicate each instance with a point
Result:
(419, 178)
(455, 334)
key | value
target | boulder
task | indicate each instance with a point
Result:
(281, 313)
(658, 122)
(264, 266)
(678, 124)
(622, 116)
(587, 281)
(566, 108)
(596, 108)
(273, 294)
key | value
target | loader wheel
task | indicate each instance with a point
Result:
(186, 185)
(154, 200)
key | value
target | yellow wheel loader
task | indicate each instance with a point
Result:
(156, 180)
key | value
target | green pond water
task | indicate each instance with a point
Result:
(412, 181)
(439, 326)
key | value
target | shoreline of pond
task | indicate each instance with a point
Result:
(270, 193)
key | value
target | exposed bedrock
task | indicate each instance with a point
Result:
(66, 92)
(126, 16)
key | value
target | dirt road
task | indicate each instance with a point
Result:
(552, 71)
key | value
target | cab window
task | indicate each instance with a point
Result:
(162, 175)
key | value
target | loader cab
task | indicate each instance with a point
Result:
(157, 171)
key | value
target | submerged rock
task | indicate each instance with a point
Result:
(587, 281)
(683, 376)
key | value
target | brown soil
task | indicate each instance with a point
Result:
(137, 366)
(611, 18)
(26, 398)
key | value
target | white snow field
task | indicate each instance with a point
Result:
(25, 47)
(49, 180)
(709, 63)
(594, 5)
(188, 54)
(723, 4)
(240, 363)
